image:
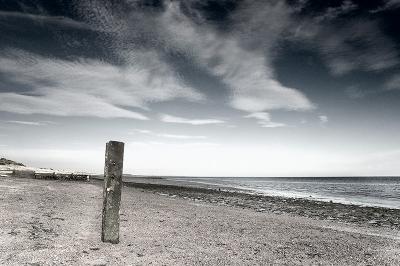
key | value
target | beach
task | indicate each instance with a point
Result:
(57, 222)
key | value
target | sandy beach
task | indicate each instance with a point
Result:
(47, 222)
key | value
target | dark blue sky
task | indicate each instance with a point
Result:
(203, 87)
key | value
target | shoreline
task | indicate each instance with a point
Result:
(321, 210)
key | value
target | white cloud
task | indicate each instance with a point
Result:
(170, 136)
(264, 119)
(89, 87)
(174, 136)
(248, 73)
(196, 122)
(388, 4)
(144, 131)
(173, 145)
(29, 123)
(323, 119)
(63, 104)
(44, 19)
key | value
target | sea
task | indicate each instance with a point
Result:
(364, 191)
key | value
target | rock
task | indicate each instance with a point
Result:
(58, 218)
(99, 263)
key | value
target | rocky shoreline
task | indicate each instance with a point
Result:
(366, 216)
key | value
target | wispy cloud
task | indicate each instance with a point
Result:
(387, 5)
(170, 136)
(144, 131)
(89, 87)
(344, 8)
(264, 120)
(247, 73)
(29, 123)
(95, 88)
(196, 122)
(174, 136)
(173, 145)
(241, 58)
(323, 119)
(45, 19)
(359, 44)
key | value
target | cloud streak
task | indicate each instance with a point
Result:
(264, 120)
(29, 123)
(89, 87)
(323, 119)
(45, 19)
(195, 122)
(169, 136)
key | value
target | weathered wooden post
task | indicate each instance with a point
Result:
(112, 191)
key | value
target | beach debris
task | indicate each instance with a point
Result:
(23, 173)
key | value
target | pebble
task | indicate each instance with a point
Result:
(99, 263)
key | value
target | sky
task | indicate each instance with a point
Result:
(202, 88)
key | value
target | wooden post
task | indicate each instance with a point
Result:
(112, 191)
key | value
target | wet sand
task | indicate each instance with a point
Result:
(48, 222)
